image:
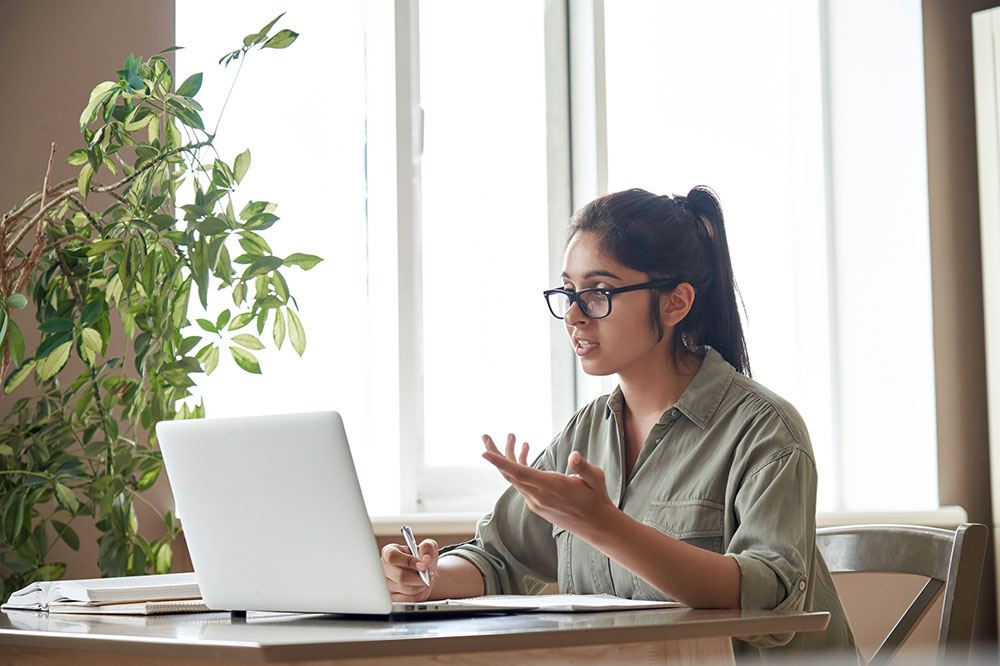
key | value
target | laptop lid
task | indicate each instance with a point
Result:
(273, 513)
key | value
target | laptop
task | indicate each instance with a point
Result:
(274, 517)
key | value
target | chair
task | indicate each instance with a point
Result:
(952, 561)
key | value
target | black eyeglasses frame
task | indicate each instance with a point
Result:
(575, 296)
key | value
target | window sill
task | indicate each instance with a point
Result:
(465, 523)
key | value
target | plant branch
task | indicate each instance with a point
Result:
(36, 253)
(32, 200)
(138, 495)
(103, 188)
(230, 93)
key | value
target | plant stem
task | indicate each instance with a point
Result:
(230, 93)
(104, 420)
(25, 472)
(138, 495)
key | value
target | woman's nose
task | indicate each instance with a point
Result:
(575, 314)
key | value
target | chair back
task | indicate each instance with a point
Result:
(951, 561)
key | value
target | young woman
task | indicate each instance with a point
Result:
(689, 481)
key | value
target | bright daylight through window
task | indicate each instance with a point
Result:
(828, 263)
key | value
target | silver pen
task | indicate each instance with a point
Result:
(412, 544)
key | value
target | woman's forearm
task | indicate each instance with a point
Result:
(691, 575)
(457, 578)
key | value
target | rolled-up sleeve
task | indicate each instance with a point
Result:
(773, 545)
(513, 548)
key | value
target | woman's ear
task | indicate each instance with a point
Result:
(675, 305)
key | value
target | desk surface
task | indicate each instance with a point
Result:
(291, 637)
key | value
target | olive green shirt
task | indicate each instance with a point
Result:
(729, 468)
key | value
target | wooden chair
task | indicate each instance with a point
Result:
(952, 562)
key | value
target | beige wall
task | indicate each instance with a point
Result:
(956, 277)
(52, 53)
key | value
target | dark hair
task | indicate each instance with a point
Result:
(679, 238)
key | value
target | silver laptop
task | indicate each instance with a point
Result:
(274, 517)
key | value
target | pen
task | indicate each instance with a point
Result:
(412, 544)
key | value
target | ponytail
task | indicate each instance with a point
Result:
(680, 238)
(720, 318)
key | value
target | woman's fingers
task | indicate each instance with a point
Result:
(523, 458)
(511, 441)
(401, 569)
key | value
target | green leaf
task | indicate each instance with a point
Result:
(209, 357)
(17, 301)
(256, 208)
(254, 244)
(18, 376)
(222, 320)
(279, 328)
(191, 86)
(77, 157)
(240, 293)
(49, 366)
(67, 534)
(15, 342)
(283, 39)
(83, 180)
(261, 221)
(5, 450)
(296, 333)
(97, 96)
(147, 480)
(263, 31)
(91, 312)
(241, 320)
(67, 498)
(56, 325)
(211, 226)
(304, 261)
(207, 325)
(52, 571)
(241, 165)
(245, 360)
(164, 559)
(261, 265)
(248, 341)
(91, 339)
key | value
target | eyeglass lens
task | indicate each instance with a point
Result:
(593, 303)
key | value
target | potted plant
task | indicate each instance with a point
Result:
(110, 262)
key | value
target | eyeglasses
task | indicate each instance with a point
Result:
(594, 303)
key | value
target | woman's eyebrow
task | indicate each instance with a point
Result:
(593, 274)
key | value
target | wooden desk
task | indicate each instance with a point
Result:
(648, 637)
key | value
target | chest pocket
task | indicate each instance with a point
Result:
(696, 522)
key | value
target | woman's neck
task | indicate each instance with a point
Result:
(651, 390)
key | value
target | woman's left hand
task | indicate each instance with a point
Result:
(577, 502)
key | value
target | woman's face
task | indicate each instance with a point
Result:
(623, 340)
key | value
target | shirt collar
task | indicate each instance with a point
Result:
(700, 399)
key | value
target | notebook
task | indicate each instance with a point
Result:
(275, 520)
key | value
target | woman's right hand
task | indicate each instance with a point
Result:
(402, 570)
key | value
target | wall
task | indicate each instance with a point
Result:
(956, 273)
(52, 53)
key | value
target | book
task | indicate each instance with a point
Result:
(111, 594)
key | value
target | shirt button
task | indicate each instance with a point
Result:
(802, 585)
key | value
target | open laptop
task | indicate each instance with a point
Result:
(274, 517)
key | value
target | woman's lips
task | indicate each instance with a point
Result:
(584, 347)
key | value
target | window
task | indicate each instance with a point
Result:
(433, 151)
